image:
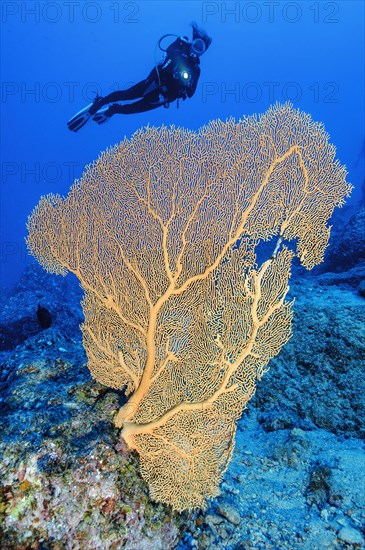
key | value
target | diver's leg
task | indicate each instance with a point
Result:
(141, 89)
(146, 104)
(140, 106)
(148, 89)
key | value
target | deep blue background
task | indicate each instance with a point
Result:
(55, 55)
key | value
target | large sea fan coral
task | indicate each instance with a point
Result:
(162, 231)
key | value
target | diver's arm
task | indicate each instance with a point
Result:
(190, 91)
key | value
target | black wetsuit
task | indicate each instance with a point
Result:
(164, 84)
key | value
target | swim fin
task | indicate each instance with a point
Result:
(100, 117)
(80, 119)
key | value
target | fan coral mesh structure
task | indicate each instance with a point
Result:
(162, 233)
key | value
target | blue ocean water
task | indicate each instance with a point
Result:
(56, 55)
(297, 471)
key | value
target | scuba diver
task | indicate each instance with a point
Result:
(173, 78)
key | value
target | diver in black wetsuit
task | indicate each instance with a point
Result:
(173, 78)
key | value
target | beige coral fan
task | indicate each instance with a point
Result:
(161, 231)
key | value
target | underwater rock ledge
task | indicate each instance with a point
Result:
(67, 480)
